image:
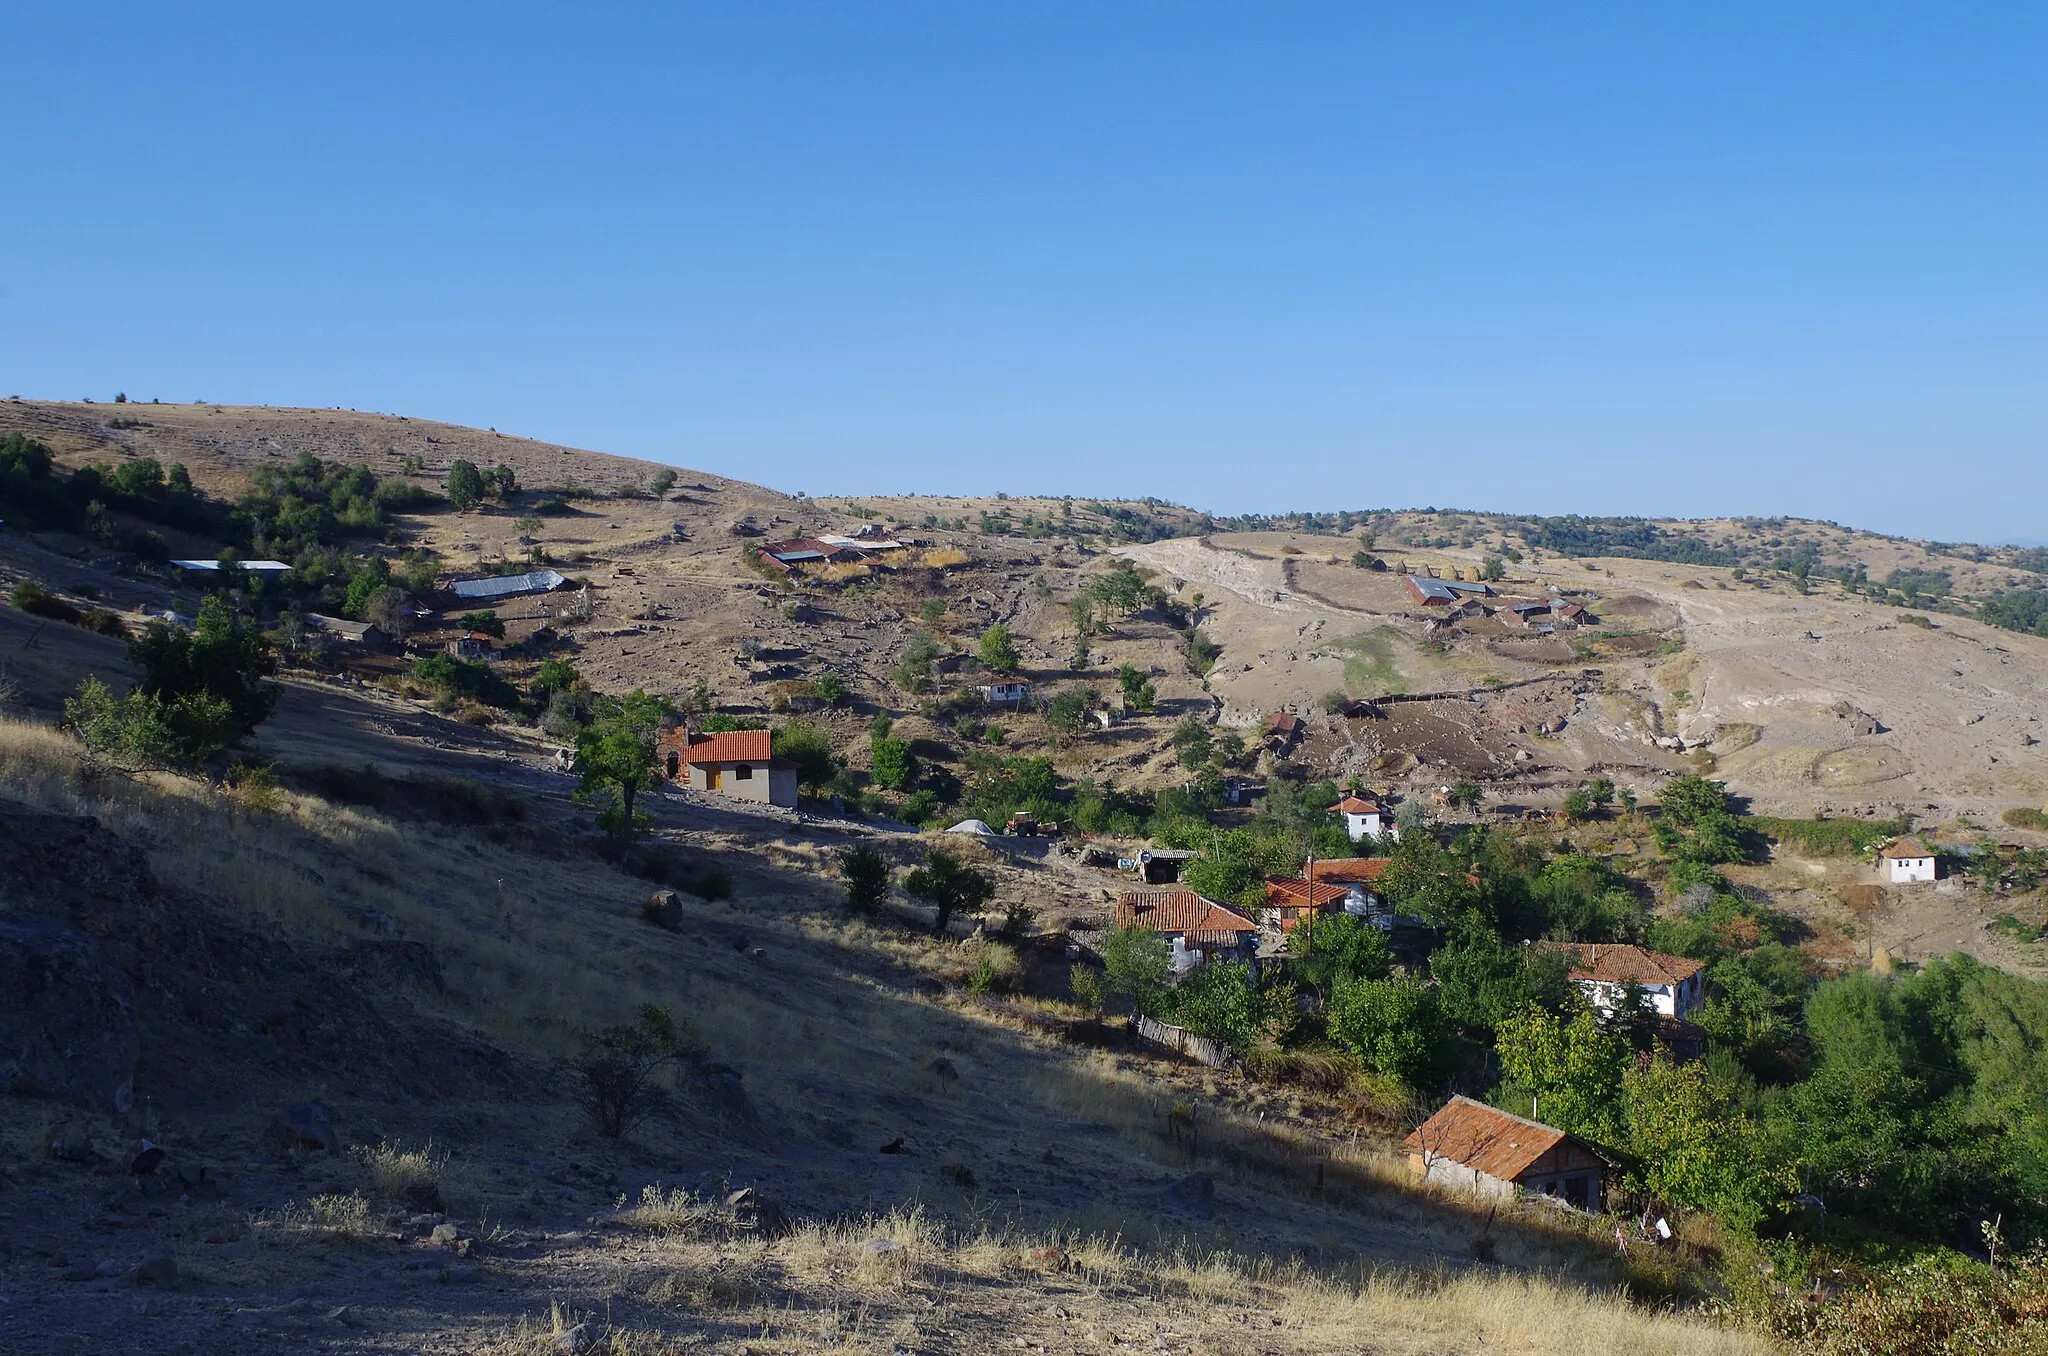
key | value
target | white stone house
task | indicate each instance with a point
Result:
(1907, 860)
(1365, 819)
(1605, 971)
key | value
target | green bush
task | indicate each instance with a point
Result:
(1831, 837)
(37, 601)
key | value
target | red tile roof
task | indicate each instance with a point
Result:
(1183, 911)
(1350, 870)
(1907, 847)
(1353, 805)
(731, 746)
(1283, 723)
(1482, 1137)
(1619, 963)
(1292, 892)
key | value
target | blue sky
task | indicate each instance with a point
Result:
(1736, 258)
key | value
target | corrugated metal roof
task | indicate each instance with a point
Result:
(256, 566)
(509, 585)
(1479, 1136)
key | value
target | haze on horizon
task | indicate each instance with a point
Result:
(1737, 261)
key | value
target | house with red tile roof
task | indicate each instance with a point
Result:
(1606, 970)
(737, 763)
(1483, 1149)
(1907, 859)
(1364, 817)
(1195, 926)
(1290, 900)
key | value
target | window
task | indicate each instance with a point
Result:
(743, 772)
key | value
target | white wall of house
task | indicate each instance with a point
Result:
(1361, 827)
(745, 781)
(1679, 1000)
(1905, 869)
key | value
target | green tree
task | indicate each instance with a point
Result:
(810, 749)
(831, 688)
(1395, 1028)
(1579, 804)
(503, 482)
(1135, 964)
(1570, 1067)
(465, 484)
(894, 766)
(866, 873)
(913, 672)
(144, 731)
(223, 658)
(1339, 949)
(1138, 690)
(488, 623)
(615, 754)
(998, 651)
(1066, 715)
(1693, 1145)
(1225, 1001)
(664, 481)
(1192, 744)
(1467, 794)
(556, 675)
(949, 885)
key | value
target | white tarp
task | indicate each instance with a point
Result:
(973, 826)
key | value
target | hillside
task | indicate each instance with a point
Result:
(407, 917)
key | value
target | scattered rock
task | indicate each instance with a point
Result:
(884, 1247)
(443, 1235)
(107, 1269)
(148, 1158)
(574, 1341)
(82, 1271)
(307, 1125)
(945, 1069)
(664, 908)
(1194, 1194)
(67, 1015)
(158, 1269)
(894, 1146)
(72, 1145)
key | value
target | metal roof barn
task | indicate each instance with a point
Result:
(509, 585)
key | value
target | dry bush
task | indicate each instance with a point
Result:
(409, 1176)
(321, 1218)
(678, 1213)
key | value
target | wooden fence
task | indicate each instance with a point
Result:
(1201, 1049)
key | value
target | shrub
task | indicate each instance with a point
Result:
(412, 1176)
(37, 601)
(2026, 817)
(106, 623)
(619, 1067)
(866, 873)
(148, 731)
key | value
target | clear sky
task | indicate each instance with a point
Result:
(1726, 258)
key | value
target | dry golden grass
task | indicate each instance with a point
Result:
(904, 1281)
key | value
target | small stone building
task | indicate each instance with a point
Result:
(736, 763)
(1482, 1149)
(1907, 860)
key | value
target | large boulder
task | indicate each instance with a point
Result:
(67, 1015)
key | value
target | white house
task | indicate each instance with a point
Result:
(1606, 971)
(1005, 694)
(1365, 818)
(1906, 860)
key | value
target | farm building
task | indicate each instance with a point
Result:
(1472, 1145)
(1907, 860)
(1195, 926)
(508, 585)
(737, 763)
